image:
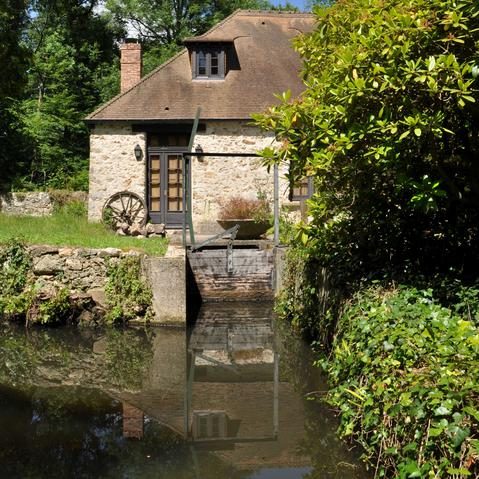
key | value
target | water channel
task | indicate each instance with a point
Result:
(228, 398)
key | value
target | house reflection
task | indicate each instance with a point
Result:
(234, 390)
(222, 391)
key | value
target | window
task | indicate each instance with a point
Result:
(209, 424)
(209, 62)
(302, 190)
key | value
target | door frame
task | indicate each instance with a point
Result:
(175, 221)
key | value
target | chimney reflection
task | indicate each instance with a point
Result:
(133, 422)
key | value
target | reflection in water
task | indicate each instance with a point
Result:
(226, 400)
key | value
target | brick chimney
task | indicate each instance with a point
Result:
(130, 65)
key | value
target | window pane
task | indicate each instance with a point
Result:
(214, 63)
(302, 189)
(201, 62)
(173, 163)
(155, 163)
(155, 205)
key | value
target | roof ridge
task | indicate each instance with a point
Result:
(146, 77)
(251, 12)
(219, 24)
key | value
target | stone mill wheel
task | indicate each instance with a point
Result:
(125, 207)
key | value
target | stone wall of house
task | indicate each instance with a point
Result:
(35, 203)
(215, 179)
(113, 166)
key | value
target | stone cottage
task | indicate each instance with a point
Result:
(138, 138)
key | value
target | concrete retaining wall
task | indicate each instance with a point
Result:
(167, 278)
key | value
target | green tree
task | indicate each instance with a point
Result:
(71, 47)
(388, 127)
(13, 64)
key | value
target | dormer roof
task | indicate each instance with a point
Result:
(265, 65)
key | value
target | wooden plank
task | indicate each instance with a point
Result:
(239, 253)
(251, 277)
(198, 263)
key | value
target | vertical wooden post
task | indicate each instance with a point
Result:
(183, 168)
(276, 205)
(276, 396)
(186, 175)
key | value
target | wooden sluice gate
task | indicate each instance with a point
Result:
(232, 271)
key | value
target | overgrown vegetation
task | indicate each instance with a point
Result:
(404, 374)
(388, 128)
(20, 298)
(15, 277)
(128, 295)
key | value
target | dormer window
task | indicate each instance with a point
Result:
(208, 62)
(211, 59)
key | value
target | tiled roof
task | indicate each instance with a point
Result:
(267, 65)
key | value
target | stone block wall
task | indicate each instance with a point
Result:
(215, 179)
(113, 166)
(36, 203)
(78, 269)
(83, 271)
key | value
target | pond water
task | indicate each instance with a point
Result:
(225, 399)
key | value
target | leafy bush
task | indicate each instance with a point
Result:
(387, 127)
(404, 373)
(15, 267)
(52, 309)
(308, 300)
(128, 296)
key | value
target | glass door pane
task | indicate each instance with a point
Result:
(175, 183)
(155, 183)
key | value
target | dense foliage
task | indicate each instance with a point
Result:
(60, 60)
(404, 374)
(15, 275)
(128, 295)
(388, 127)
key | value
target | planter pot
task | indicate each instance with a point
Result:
(249, 229)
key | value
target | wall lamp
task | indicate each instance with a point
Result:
(199, 150)
(138, 153)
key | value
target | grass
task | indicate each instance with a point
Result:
(69, 227)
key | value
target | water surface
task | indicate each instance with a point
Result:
(225, 399)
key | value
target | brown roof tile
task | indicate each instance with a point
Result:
(268, 65)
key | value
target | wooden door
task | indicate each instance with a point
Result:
(165, 188)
